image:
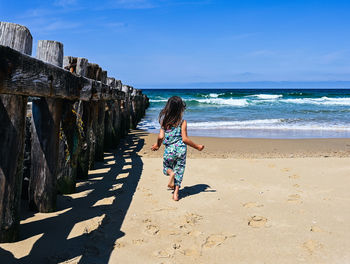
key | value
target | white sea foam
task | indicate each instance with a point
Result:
(267, 96)
(267, 124)
(158, 100)
(319, 101)
(233, 124)
(221, 101)
(255, 124)
(214, 100)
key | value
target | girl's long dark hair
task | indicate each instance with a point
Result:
(171, 114)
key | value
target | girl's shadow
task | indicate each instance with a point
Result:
(195, 189)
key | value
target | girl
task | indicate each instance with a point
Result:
(173, 134)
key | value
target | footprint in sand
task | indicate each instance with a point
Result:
(138, 241)
(176, 246)
(257, 221)
(166, 209)
(162, 254)
(294, 176)
(312, 245)
(152, 230)
(147, 194)
(194, 233)
(294, 198)
(252, 205)
(191, 252)
(316, 229)
(192, 219)
(214, 240)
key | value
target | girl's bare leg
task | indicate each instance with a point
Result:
(176, 193)
(171, 178)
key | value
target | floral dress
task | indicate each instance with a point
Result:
(174, 157)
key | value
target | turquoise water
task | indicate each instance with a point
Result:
(258, 113)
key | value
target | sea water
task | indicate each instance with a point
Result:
(258, 113)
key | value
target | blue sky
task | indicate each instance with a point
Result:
(149, 43)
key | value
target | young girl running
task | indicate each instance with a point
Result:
(173, 134)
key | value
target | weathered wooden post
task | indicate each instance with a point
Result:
(109, 116)
(12, 130)
(83, 120)
(72, 136)
(69, 142)
(135, 108)
(93, 72)
(117, 116)
(100, 128)
(126, 109)
(86, 127)
(131, 108)
(46, 117)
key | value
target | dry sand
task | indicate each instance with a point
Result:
(242, 201)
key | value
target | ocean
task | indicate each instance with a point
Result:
(257, 113)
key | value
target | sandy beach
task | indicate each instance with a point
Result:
(242, 201)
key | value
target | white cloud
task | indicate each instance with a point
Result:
(115, 24)
(132, 4)
(332, 57)
(65, 3)
(36, 12)
(45, 25)
(59, 25)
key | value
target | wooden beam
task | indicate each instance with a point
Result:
(24, 75)
(21, 74)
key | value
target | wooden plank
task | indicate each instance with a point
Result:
(24, 75)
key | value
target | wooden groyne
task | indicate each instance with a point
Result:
(58, 115)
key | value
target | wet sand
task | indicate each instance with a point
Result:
(242, 201)
(262, 148)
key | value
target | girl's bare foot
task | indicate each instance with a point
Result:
(171, 183)
(176, 193)
(175, 196)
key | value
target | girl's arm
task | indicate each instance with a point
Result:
(187, 140)
(160, 138)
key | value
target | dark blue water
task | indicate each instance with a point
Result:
(261, 113)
